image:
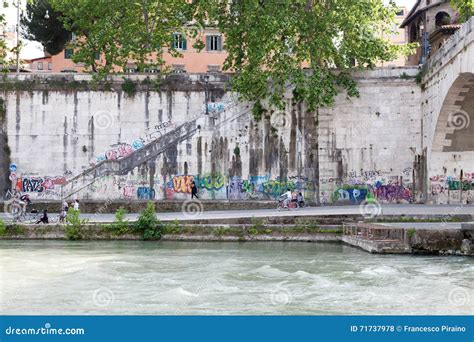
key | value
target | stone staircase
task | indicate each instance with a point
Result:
(126, 164)
(146, 153)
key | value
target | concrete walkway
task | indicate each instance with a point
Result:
(387, 209)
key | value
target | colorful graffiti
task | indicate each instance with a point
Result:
(122, 150)
(182, 184)
(391, 193)
(210, 182)
(38, 184)
(451, 189)
(215, 107)
(145, 192)
(353, 194)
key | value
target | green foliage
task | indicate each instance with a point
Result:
(257, 223)
(464, 7)
(121, 225)
(172, 227)
(258, 111)
(123, 32)
(15, 229)
(405, 76)
(312, 45)
(148, 224)
(219, 231)
(411, 232)
(50, 32)
(129, 87)
(74, 224)
(237, 150)
(3, 228)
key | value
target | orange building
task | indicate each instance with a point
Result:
(210, 59)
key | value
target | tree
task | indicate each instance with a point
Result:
(307, 46)
(48, 30)
(121, 31)
(307, 43)
(3, 46)
(465, 8)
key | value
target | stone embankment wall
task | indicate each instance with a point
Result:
(57, 126)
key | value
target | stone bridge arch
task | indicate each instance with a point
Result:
(448, 120)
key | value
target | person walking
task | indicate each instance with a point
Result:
(76, 205)
(194, 190)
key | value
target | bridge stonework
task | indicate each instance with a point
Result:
(448, 119)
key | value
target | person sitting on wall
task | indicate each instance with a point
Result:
(300, 200)
(44, 218)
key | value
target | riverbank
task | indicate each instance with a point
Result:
(179, 232)
(387, 238)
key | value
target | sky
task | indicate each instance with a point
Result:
(34, 49)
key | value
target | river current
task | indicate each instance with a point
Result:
(175, 278)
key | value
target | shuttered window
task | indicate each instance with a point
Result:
(214, 42)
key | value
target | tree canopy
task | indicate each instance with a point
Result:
(121, 32)
(310, 44)
(465, 8)
(46, 29)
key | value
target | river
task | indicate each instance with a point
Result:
(130, 277)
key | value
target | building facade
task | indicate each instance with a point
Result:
(429, 23)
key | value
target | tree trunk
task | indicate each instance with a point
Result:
(311, 153)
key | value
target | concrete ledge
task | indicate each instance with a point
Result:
(182, 232)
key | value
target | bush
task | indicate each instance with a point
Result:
(411, 232)
(3, 228)
(129, 87)
(148, 224)
(172, 228)
(120, 225)
(74, 223)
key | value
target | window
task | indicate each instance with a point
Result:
(179, 42)
(68, 53)
(39, 66)
(214, 42)
(50, 66)
(178, 68)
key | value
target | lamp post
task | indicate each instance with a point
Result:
(18, 36)
(206, 79)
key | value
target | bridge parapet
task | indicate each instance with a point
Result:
(453, 46)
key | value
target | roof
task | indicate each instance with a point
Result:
(445, 29)
(415, 11)
(38, 58)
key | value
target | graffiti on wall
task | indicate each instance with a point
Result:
(123, 149)
(451, 189)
